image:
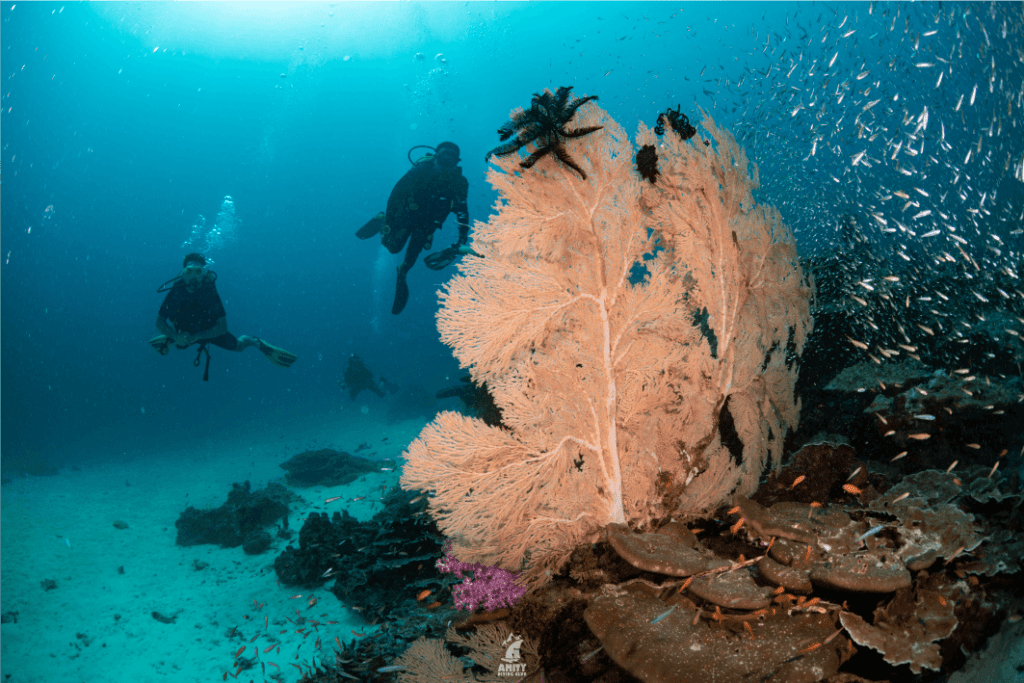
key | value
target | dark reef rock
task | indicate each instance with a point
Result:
(256, 542)
(319, 540)
(379, 568)
(929, 418)
(326, 467)
(245, 512)
(380, 564)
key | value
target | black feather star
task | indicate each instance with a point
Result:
(544, 124)
(679, 122)
(647, 163)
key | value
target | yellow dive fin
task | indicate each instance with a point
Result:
(161, 343)
(275, 355)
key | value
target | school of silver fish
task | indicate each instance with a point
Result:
(906, 119)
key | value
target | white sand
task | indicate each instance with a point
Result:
(71, 635)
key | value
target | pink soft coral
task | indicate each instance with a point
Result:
(492, 587)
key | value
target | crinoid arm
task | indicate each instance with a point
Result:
(580, 132)
(561, 97)
(679, 122)
(529, 161)
(525, 126)
(519, 121)
(546, 99)
(506, 149)
(569, 110)
(506, 131)
(562, 156)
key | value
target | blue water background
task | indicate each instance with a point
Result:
(123, 123)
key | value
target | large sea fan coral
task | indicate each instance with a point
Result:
(640, 341)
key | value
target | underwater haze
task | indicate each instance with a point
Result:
(264, 135)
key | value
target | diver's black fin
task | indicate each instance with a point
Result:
(401, 294)
(372, 227)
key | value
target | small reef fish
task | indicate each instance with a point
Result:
(664, 614)
(870, 532)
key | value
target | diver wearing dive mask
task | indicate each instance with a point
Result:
(192, 313)
(193, 275)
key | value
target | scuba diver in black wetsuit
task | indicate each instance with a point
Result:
(192, 313)
(419, 204)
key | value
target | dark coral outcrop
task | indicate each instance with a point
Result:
(326, 467)
(245, 513)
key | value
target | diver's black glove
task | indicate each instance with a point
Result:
(441, 259)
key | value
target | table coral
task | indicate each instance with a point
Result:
(785, 648)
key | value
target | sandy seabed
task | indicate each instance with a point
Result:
(97, 625)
